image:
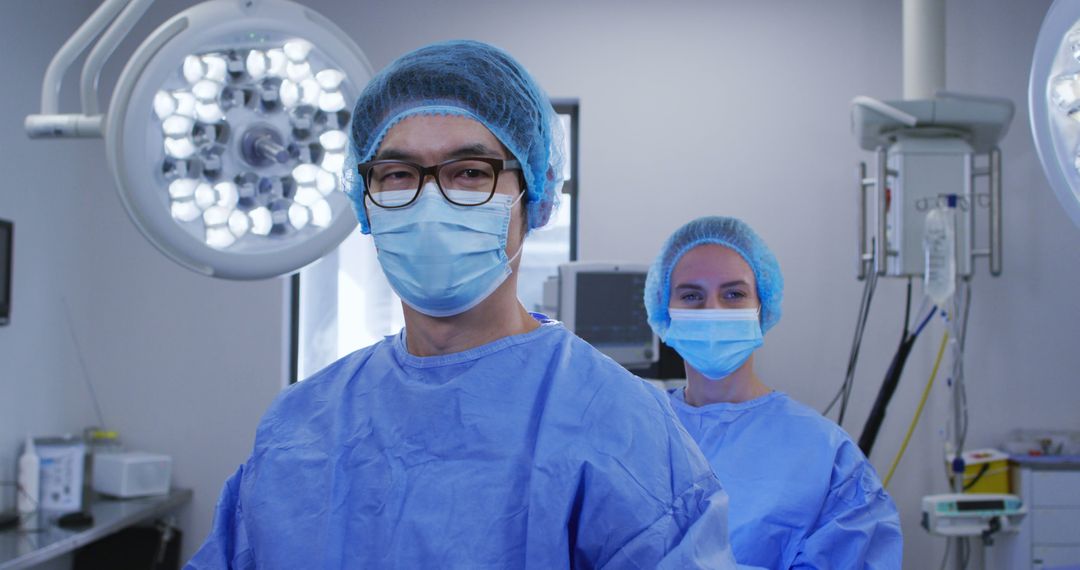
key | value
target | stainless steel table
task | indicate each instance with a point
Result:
(20, 548)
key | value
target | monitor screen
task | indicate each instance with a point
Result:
(987, 505)
(610, 310)
(7, 230)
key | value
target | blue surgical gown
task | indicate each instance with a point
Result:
(533, 451)
(802, 494)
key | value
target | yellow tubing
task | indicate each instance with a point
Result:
(918, 411)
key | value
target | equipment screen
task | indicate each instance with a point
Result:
(6, 230)
(609, 308)
(997, 505)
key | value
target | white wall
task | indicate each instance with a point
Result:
(181, 363)
(747, 102)
(41, 387)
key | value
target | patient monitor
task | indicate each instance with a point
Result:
(602, 303)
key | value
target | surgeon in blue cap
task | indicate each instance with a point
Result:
(481, 435)
(802, 494)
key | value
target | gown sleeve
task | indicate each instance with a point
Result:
(859, 526)
(227, 545)
(692, 535)
(644, 513)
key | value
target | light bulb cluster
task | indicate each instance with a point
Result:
(254, 142)
(1065, 90)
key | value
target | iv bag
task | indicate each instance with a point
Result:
(939, 246)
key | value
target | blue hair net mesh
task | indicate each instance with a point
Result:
(729, 232)
(473, 80)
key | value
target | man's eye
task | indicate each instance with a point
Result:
(396, 175)
(734, 295)
(690, 297)
(472, 175)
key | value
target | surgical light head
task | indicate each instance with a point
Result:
(281, 110)
(729, 232)
(468, 79)
(247, 109)
(1054, 100)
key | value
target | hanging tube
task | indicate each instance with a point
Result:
(104, 48)
(76, 44)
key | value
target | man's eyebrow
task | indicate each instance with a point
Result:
(475, 149)
(689, 286)
(394, 154)
(734, 283)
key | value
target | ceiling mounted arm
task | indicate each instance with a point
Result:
(50, 123)
(76, 44)
(103, 49)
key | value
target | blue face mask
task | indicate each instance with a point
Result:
(442, 259)
(716, 342)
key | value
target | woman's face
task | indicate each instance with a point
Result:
(712, 276)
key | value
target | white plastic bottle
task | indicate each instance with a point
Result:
(939, 244)
(29, 478)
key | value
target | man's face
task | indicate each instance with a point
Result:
(431, 139)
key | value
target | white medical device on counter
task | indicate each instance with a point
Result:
(132, 474)
(971, 514)
(61, 473)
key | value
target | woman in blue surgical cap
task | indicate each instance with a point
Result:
(802, 494)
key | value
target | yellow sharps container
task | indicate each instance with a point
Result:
(985, 471)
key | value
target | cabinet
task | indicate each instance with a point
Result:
(1049, 536)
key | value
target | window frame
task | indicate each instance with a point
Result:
(572, 108)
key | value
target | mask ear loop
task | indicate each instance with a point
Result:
(521, 246)
(516, 200)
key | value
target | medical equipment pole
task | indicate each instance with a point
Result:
(959, 419)
(924, 48)
(881, 255)
(995, 212)
(863, 258)
(993, 174)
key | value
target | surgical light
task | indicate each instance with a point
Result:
(1054, 102)
(226, 132)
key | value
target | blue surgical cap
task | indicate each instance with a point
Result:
(468, 79)
(729, 232)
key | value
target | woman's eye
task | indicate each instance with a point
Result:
(690, 297)
(734, 295)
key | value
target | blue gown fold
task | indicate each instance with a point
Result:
(802, 495)
(533, 451)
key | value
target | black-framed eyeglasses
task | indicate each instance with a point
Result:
(462, 181)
